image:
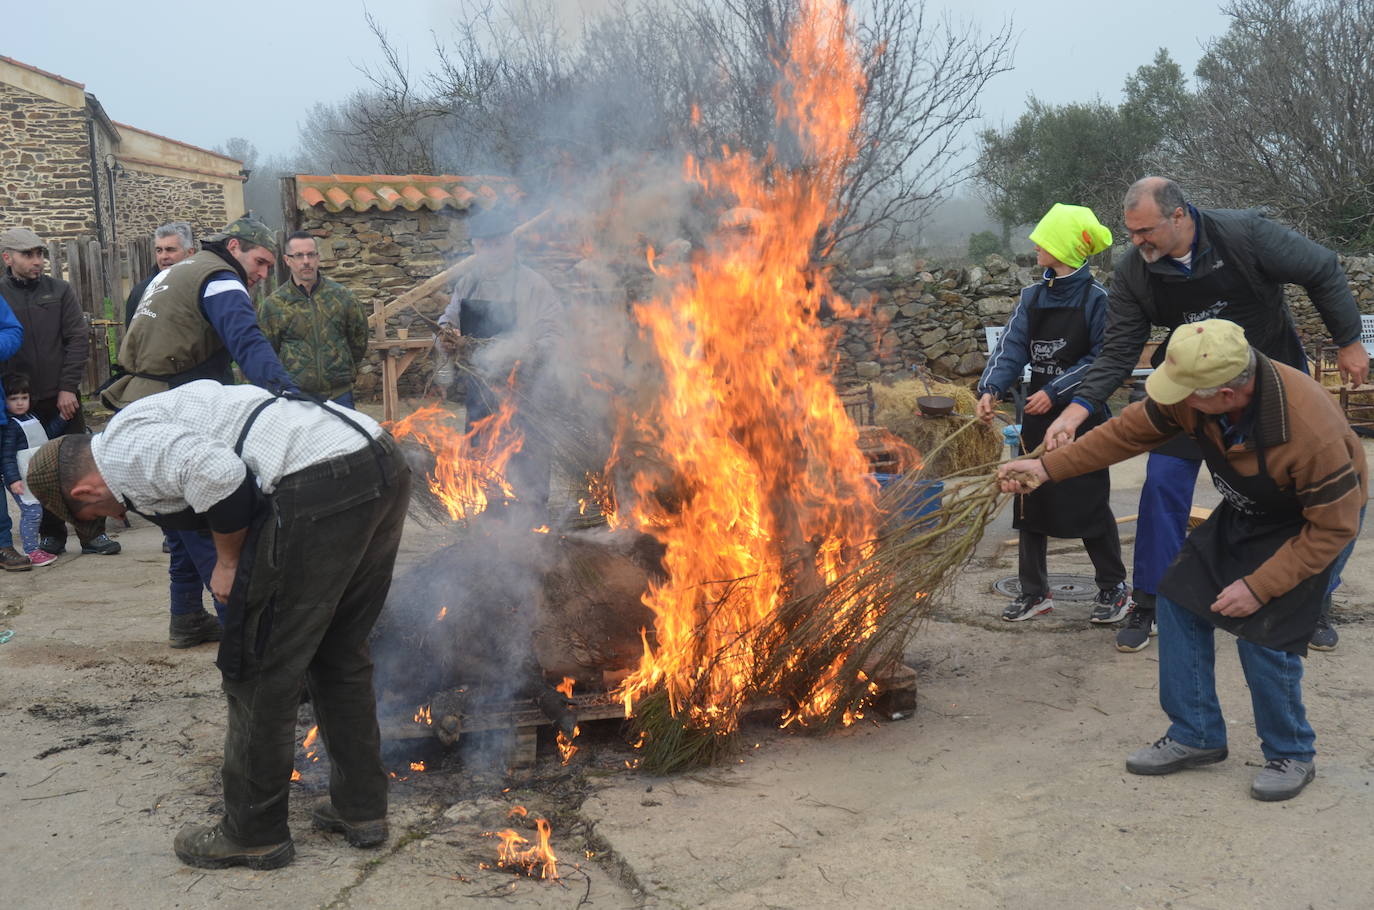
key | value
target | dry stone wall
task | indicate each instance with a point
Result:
(921, 315)
(925, 316)
(45, 168)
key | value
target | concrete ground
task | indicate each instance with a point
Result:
(1005, 790)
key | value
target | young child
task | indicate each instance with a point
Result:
(1056, 327)
(21, 436)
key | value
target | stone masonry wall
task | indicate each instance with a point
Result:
(935, 317)
(923, 315)
(45, 169)
(384, 254)
(147, 201)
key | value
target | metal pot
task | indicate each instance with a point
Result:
(935, 405)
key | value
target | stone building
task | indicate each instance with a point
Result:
(381, 236)
(68, 170)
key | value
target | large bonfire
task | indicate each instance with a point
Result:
(776, 581)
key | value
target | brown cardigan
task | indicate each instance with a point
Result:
(1309, 449)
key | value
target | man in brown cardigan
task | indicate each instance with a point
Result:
(1293, 481)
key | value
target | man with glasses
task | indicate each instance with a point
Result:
(316, 326)
(1197, 264)
(53, 356)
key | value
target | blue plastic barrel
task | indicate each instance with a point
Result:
(924, 500)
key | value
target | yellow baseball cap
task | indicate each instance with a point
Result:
(1201, 355)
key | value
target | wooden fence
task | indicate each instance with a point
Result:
(102, 275)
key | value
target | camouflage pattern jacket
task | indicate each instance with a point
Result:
(321, 337)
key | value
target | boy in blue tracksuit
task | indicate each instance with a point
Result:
(1056, 328)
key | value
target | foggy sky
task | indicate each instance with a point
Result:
(200, 76)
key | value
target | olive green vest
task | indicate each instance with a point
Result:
(169, 337)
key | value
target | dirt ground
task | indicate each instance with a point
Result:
(1006, 789)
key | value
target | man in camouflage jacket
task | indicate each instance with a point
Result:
(317, 327)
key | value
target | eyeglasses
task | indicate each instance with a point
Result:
(303, 256)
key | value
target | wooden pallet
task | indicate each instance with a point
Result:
(453, 714)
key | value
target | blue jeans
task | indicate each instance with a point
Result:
(1188, 688)
(193, 561)
(1341, 560)
(1162, 521)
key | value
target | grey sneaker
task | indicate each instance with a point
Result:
(1166, 756)
(190, 629)
(1027, 607)
(1111, 605)
(1140, 627)
(1282, 778)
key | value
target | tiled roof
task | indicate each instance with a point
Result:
(337, 192)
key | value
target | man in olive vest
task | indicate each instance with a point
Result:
(194, 320)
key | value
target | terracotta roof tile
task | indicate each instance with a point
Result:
(337, 192)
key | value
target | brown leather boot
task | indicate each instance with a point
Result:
(190, 629)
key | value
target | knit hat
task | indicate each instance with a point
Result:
(1201, 355)
(43, 482)
(20, 239)
(250, 229)
(1071, 233)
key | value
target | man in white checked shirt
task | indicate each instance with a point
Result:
(305, 503)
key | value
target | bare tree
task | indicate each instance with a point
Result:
(513, 94)
(1285, 117)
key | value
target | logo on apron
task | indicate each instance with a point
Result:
(1238, 500)
(1212, 312)
(1045, 350)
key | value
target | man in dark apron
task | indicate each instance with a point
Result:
(1192, 264)
(305, 502)
(1293, 479)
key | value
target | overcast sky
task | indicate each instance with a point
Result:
(199, 75)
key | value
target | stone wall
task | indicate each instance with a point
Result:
(935, 317)
(146, 201)
(45, 168)
(1360, 271)
(378, 254)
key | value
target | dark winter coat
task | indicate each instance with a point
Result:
(1268, 255)
(53, 353)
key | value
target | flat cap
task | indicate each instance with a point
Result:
(20, 239)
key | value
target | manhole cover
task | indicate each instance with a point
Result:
(1062, 587)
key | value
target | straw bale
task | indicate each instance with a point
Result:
(895, 409)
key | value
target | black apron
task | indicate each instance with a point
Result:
(479, 318)
(1222, 293)
(1078, 507)
(1255, 518)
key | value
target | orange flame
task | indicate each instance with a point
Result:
(295, 775)
(770, 497)
(417, 766)
(422, 715)
(470, 468)
(443, 611)
(308, 744)
(516, 854)
(566, 749)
